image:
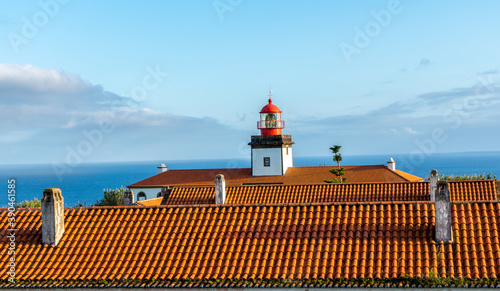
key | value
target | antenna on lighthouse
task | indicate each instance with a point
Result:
(270, 94)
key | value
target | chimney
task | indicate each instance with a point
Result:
(162, 168)
(391, 164)
(128, 198)
(442, 209)
(220, 189)
(433, 179)
(52, 216)
(165, 191)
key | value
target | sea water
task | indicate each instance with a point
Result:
(86, 182)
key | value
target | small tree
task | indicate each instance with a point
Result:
(340, 171)
(33, 203)
(111, 198)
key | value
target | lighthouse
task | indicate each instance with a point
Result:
(271, 150)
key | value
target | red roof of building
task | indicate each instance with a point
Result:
(294, 176)
(310, 245)
(363, 192)
(270, 108)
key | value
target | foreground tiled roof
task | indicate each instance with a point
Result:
(320, 245)
(294, 176)
(362, 192)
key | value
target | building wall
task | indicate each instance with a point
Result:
(150, 192)
(275, 168)
(287, 158)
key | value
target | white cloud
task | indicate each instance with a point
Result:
(33, 97)
(410, 130)
(61, 107)
(29, 78)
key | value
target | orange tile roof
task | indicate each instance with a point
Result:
(409, 177)
(294, 176)
(150, 202)
(319, 193)
(309, 245)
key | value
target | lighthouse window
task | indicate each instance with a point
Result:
(267, 162)
(270, 120)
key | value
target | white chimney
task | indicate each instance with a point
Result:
(128, 198)
(162, 168)
(220, 189)
(165, 191)
(433, 180)
(442, 208)
(391, 164)
(52, 216)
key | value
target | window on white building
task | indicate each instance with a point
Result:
(267, 162)
(141, 195)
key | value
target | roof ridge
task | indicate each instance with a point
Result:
(377, 165)
(248, 204)
(139, 208)
(204, 169)
(284, 204)
(303, 185)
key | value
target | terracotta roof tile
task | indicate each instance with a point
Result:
(295, 242)
(321, 193)
(294, 176)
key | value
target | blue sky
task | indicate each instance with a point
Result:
(90, 81)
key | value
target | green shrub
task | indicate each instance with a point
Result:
(111, 198)
(29, 204)
(465, 177)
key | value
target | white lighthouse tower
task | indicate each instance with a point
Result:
(271, 151)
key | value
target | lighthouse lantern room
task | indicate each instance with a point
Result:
(270, 120)
(271, 151)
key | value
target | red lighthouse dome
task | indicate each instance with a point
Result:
(270, 108)
(270, 119)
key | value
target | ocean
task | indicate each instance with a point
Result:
(86, 182)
